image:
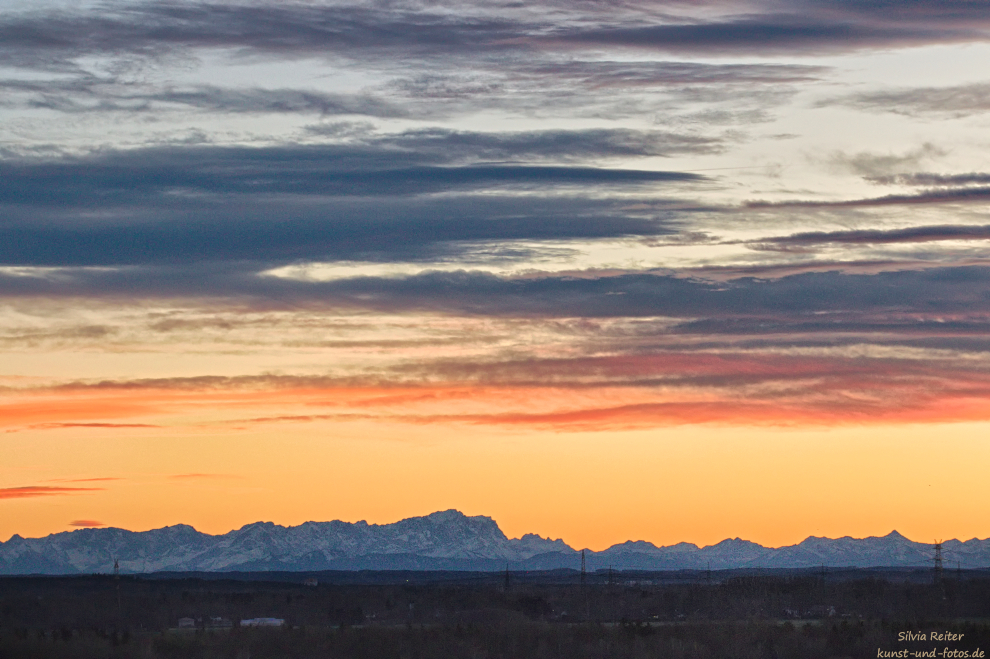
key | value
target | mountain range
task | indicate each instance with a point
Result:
(447, 540)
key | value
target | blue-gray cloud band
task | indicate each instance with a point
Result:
(376, 200)
(918, 234)
(795, 298)
(295, 29)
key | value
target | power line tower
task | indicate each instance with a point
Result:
(937, 573)
(938, 576)
(584, 569)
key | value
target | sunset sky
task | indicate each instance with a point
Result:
(677, 270)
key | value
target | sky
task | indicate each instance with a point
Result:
(678, 270)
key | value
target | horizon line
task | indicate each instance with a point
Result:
(101, 526)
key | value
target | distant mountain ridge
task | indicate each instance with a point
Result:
(447, 540)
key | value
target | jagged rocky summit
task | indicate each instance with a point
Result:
(447, 540)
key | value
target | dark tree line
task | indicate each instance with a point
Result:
(762, 617)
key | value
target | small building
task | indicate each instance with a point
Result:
(263, 622)
(187, 623)
(312, 582)
(219, 623)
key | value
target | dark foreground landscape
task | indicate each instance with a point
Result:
(761, 615)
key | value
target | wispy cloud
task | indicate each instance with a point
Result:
(32, 491)
(951, 101)
(86, 523)
(928, 179)
(775, 367)
(90, 94)
(52, 426)
(960, 195)
(919, 234)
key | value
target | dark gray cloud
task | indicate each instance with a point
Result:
(954, 101)
(951, 12)
(275, 233)
(93, 94)
(603, 75)
(288, 30)
(919, 234)
(854, 327)
(764, 34)
(786, 268)
(512, 83)
(538, 83)
(493, 57)
(328, 170)
(439, 144)
(927, 179)
(955, 289)
(345, 201)
(799, 26)
(935, 196)
(803, 297)
(297, 29)
(515, 84)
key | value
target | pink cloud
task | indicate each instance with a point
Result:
(43, 491)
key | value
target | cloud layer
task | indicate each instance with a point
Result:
(464, 28)
(31, 491)
(572, 215)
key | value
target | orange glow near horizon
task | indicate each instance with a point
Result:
(698, 484)
(553, 437)
(567, 406)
